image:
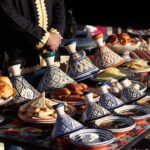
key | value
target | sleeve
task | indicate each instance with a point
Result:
(35, 35)
(59, 16)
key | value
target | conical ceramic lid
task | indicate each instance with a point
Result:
(25, 91)
(93, 110)
(79, 67)
(107, 100)
(54, 77)
(104, 56)
(129, 94)
(64, 124)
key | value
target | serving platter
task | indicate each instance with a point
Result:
(36, 120)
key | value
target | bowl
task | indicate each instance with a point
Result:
(121, 49)
(91, 139)
(137, 112)
(117, 124)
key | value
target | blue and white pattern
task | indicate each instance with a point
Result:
(65, 125)
(109, 101)
(94, 111)
(25, 91)
(130, 94)
(54, 78)
(79, 68)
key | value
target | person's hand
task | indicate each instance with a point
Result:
(53, 42)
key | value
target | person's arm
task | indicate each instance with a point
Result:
(30, 31)
(58, 16)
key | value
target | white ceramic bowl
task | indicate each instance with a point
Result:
(128, 121)
(96, 137)
(144, 109)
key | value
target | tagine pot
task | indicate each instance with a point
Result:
(79, 67)
(104, 56)
(53, 77)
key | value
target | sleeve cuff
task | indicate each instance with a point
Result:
(43, 40)
(52, 30)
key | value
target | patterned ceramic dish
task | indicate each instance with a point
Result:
(137, 112)
(71, 111)
(91, 138)
(116, 124)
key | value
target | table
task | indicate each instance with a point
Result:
(17, 132)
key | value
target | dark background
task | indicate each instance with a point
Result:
(110, 12)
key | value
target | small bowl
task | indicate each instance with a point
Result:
(91, 139)
(134, 111)
(123, 124)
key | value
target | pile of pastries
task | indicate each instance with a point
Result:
(40, 107)
(122, 38)
(6, 88)
(71, 92)
(136, 64)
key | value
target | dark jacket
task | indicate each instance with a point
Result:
(25, 26)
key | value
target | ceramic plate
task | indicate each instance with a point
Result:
(94, 137)
(44, 121)
(128, 71)
(123, 124)
(2, 102)
(137, 112)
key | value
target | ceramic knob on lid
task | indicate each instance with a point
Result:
(14, 68)
(71, 46)
(129, 94)
(98, 39)
(93, 110)
(107, 100)
(64, 124)
(49, 58)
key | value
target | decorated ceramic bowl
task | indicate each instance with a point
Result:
(137, 112)
(116, 124)
(91, 138)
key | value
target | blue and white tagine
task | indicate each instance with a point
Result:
(107, 100)
(79, 67)
(25, 91)
(64, 124)
(93, 110)
(54, 77)
(129, 94)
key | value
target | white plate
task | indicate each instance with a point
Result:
(105, 137)
(134, 107)
(2, 102)
(43, 121)
(130, 122)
